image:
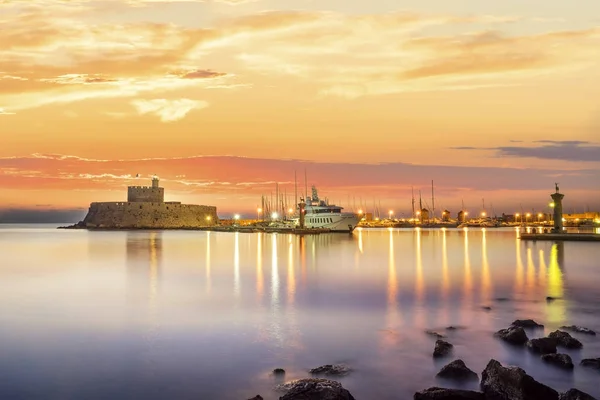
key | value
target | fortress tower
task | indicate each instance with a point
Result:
(146, 194)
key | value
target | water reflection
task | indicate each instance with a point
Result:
(520, 271)
(259, 268)
(291, 275)
(556, 309)
(236, 264)
(207, 262)
(468, 280)
(486, 279)
(445, 272)
(419, 280)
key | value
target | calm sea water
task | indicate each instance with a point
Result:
(200, 315)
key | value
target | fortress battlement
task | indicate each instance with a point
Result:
(145, 208)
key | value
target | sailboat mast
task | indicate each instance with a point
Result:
(295, 189)
(432, 201)
(305, 187)
(412, 193)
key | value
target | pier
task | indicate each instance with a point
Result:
(573, 237)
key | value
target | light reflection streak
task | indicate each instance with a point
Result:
(419, 281)
(259, 267)
(153, 271)
(291, 278)
(274, 274)
(468, 279)
(389, 335)
(556, 310)
(208, 277)
(520, 272)
(236, 265)
(543, 269)
(360, 241)
(486, 279)
(392, 279)
(530, 277)
(445, 272)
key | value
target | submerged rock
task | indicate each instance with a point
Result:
(578, 329)
(486, 308)
(591, 362)
(501, 299)
(455, 328)
(314, 389)
(574, 394)
(512, 383)
(560, 360)
(527, 323)
(458, 370)
(550, 298)
(565, 340)
(442, 348)
(331, 370)
(435, 334)
(436, 393)
(513, 334)
(257, 397)
(279, 371)
(542, 345)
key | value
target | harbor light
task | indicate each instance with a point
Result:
(208, 218)
(236, 216)
(391, 213)
(360, 211)
(290, 210)
(552, 205)
(540, 215)
(483, 214)
(274, 215)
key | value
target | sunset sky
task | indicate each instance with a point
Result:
(223, 98)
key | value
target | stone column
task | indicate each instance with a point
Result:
(558, 219)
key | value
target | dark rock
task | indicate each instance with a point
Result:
(279, 371)
(436, 393)
(257, 397)
(314, 389)
(457, 370)
(578, 329)
(550, 298)
(442, 348)
(542, 345)
(502, 299)
(512, 383)
(435, 334)
(513, 334)
(560, 360)
(565, 340)
(455, 328)
(331, 370)
(574, 394)
(527, 323)
(486, 308)
(591, 362)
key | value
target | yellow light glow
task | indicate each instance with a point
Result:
(290, 210)
(551, 204)
(360, 211)
(483, 214)
(528, 215)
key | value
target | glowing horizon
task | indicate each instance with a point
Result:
(223, 98)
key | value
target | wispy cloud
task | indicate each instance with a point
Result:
(566, 150)
(168, 110)
(4, 112)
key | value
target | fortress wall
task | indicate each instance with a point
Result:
(126, 215)
(145, 194)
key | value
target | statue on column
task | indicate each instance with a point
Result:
(556, 185)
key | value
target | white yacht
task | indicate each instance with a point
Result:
(321, 214)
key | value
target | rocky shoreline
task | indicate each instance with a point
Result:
(498, 382)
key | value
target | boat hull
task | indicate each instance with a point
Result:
(344, 222)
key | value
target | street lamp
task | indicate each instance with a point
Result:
(527, 217)
(258, 211)
(483, 213)
(539, 217)
(208, 218)
(517, 215)
(391, 213)
(274, 215)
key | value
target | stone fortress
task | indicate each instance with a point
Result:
(146, 209)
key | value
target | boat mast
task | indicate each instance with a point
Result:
(432, 202)
(412, 193)
(295, 190)
(305, 187)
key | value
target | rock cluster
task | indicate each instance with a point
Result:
(527, 323)
(314, 389)
(578, 329)
(560, 360)
(331, 370)
(565, 340)
(442, 348)
(542, 345)
(458, 370)
(513, 334)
